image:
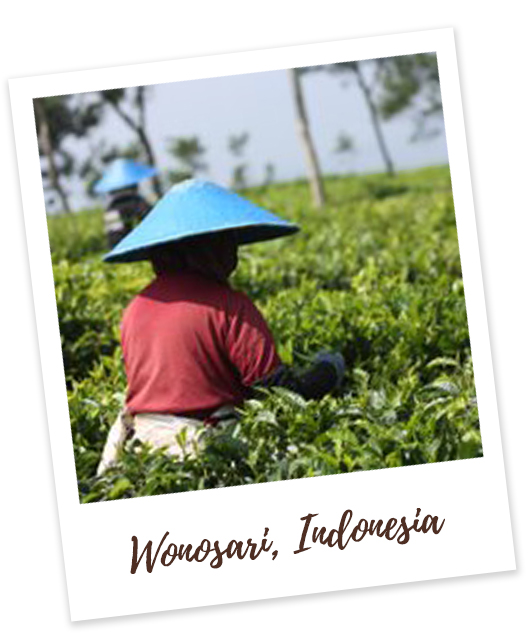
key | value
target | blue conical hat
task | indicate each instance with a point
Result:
(194, 208)
(123, 173)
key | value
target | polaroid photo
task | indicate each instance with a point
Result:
(261, 324)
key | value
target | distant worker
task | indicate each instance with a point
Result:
(126, 207)
(194, 348)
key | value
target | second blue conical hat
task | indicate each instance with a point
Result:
(194, 208)
(123, 173)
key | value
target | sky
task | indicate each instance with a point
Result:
(261, 105)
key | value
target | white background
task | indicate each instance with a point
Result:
(97, 538)
(491, 55)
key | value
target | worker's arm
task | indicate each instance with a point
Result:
(249, 342)
(324, 376)
(251, 349)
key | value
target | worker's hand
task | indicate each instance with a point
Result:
(335, 359)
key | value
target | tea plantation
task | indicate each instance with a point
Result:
(375, 275)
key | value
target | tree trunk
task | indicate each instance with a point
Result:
(375, 120)
(143, 138)
(311, 159)
(45, 142)
(140, 130)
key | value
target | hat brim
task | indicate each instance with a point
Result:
(244, 235)
(112, 183)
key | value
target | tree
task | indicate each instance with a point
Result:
(410, 82)
(58, 118)
(398, 83)
(303, 130)
(237, 146)
(237, 143)
(344, 144)
(368, 91)
(368, 96)
(189, 153)
(269, 174)
(239, 179)
(130, 106)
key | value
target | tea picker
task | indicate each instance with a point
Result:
(126, 207)
(194, 348)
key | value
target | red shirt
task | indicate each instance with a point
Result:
(192, 344)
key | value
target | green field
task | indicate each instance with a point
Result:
(375, 275)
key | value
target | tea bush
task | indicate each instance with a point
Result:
(375, 275)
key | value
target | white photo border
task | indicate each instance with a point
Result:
(470, 495)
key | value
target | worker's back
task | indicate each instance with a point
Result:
(124, 212)
(192, 344)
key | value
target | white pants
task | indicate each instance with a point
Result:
(179, 435)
